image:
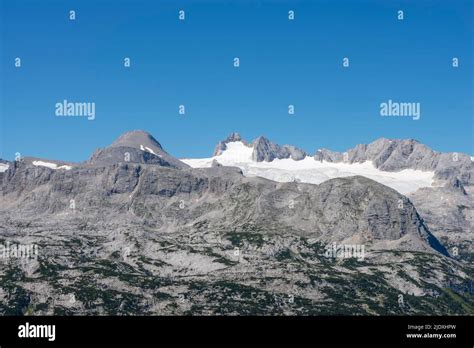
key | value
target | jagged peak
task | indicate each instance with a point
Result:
(221, 146)
(261, 138)
(234, 136)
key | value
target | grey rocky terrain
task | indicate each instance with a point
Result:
(396, 154)
(450, 215)
(144, 233)
(265, 150)
(447, 206)
(386, 154)
(135, 147)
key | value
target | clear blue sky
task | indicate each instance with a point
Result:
(282, 62)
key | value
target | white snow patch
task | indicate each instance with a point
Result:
(51, 165)
(472, 158)
(311, 171)
(3, 167)
(146, 148)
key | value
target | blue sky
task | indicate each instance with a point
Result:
(282, 62)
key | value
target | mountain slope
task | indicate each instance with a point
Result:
(127, 238)
(395, 155)
(219, 198)
(308, 170)
(135, 147)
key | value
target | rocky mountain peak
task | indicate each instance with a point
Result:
(135, 147)
(398, 154)
(222, 145)
(265, 150)
(137, 139)
(234, 136)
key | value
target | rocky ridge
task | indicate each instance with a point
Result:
(151, 236)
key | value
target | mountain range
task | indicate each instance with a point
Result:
(385, 154)
(134, 230)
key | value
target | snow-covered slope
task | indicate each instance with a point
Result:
(312, 171)
(51, 165)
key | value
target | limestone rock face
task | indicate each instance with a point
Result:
(395, 155)
(265, 150)
(344, 208)
(135, 237)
